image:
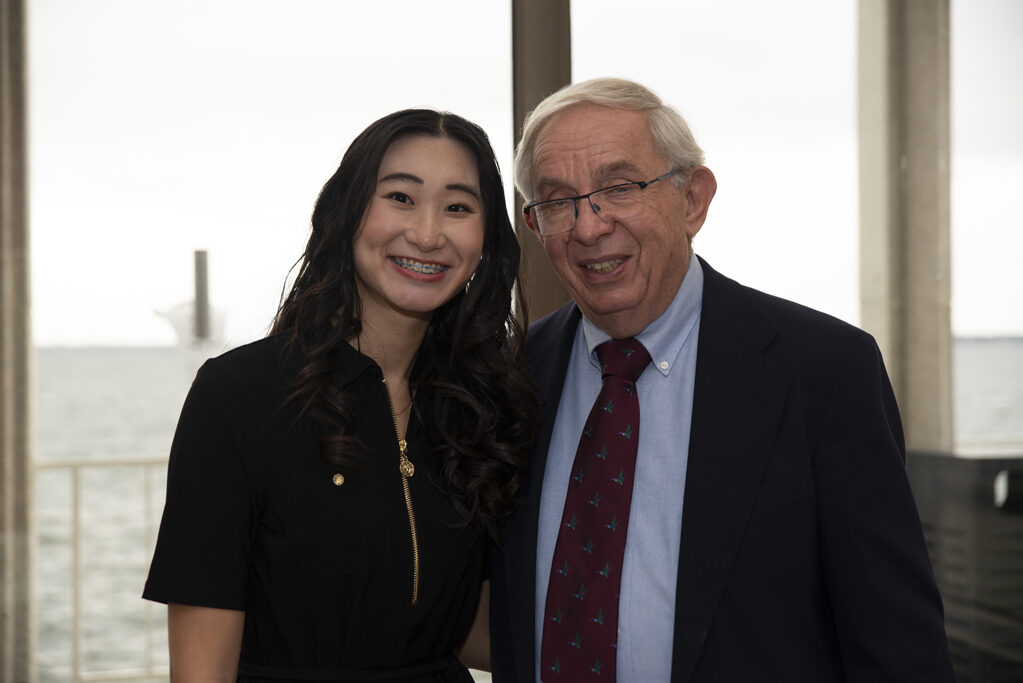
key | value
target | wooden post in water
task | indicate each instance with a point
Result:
(17, 547)
(201, 323)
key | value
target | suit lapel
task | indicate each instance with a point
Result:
(546, 357)
(738, 399)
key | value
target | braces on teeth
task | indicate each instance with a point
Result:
(424, 268)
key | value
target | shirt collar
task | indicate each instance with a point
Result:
(665, 336)
(348, 363)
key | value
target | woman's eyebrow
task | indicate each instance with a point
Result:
(402, 176)
(458, 187)
(468, 189)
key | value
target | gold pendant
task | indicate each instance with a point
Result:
(406, 467)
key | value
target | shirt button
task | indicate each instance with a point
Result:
(338, 479)
(664, 365)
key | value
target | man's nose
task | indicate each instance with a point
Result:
(591, 223)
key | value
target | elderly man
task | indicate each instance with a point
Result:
(717, 493)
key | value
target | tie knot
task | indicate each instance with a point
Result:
(625, 358)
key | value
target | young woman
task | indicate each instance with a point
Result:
(330, 487)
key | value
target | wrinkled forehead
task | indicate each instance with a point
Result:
(591, 143)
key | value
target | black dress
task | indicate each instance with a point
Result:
(257, 520)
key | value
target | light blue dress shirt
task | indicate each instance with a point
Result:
(647, 599)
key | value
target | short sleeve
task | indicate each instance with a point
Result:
(203, 549)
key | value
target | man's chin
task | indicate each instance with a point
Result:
(619, 319)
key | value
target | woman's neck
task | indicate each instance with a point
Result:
(394, 348)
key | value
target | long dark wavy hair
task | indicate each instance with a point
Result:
(482, 408)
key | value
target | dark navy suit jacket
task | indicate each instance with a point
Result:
(802, 556)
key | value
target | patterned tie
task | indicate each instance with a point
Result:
(580, 628)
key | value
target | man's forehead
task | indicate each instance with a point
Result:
(592, 142)
(581, 123)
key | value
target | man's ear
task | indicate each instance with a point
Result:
(699, 191)
(532, 226)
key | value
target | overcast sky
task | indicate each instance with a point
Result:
(161, 127)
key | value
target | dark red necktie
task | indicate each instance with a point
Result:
(580, 626)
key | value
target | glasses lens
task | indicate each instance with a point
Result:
(620, 200)
(556, 216)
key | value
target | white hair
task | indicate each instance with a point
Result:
(669, 132)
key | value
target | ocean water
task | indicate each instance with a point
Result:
(989, 395)
(93, 405)
(109, 404)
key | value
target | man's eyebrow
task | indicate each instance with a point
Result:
(547, 182)
(616, 167)
(601, 171)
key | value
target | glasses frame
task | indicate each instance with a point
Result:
(575, 200)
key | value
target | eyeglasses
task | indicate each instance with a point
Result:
(622, 201)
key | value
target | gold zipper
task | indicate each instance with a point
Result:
(407, 469)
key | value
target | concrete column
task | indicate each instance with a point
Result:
(17, 626)
(905, 267)
(541, 63)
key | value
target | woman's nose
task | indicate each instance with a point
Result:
(425, 232)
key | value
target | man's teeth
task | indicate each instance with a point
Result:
(604, 266)
(420, 267)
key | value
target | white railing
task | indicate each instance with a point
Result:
(148, 465)
(989, 445)
(152, 499)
